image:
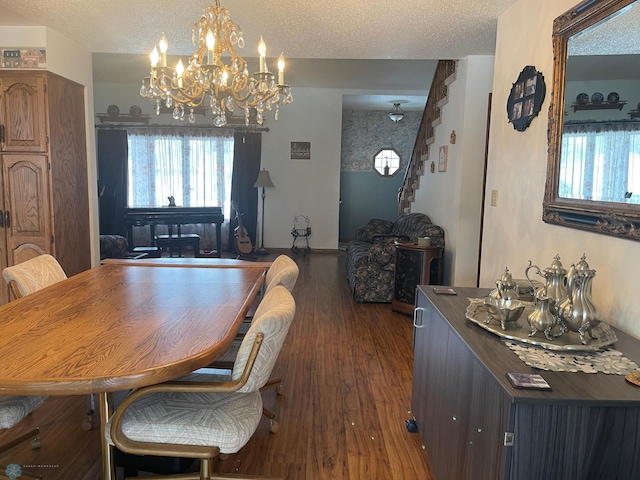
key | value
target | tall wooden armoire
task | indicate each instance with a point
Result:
(44, 197)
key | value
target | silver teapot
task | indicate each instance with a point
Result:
(555, 283)
(577, 313)
(506, 289)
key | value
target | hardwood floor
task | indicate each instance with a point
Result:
(347, 370)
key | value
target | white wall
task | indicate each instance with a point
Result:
(514, 231)
(72, 61)
(452, 199)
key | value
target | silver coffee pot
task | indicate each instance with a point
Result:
(555, 283)
(578, 313)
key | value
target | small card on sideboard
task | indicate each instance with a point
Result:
(528, 380)
(444, 291)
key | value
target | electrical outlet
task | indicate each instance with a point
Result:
(494, 198)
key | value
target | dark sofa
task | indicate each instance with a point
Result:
(371, 256)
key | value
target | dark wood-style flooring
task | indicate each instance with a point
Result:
(347, 369)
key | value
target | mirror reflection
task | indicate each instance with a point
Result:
(600, 145)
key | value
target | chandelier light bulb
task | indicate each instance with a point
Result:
(155, 57)
(281, 65)
(262, 50)
(211, 43)
(179, 72)
(164, 46)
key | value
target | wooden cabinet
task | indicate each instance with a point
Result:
(44, 198)
(22, 114)
(476, 426)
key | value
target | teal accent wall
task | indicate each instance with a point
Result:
(364, 194)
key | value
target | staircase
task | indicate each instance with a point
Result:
(438, 97)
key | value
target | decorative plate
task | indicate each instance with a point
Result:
(597, 97)
(569, 342)
(135, 110)
(582, 98)
(113, 110)
(633, 378)
(613, 97)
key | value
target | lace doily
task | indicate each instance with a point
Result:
(608, 360)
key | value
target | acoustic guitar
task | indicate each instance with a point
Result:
(243, 242)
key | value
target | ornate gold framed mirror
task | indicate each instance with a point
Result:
(593, 170)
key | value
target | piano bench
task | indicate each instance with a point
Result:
(176, 242)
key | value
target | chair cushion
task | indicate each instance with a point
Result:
(15, 408)
(223, 420)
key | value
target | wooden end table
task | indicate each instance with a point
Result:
(415, 266)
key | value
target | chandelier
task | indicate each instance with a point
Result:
(215, 74)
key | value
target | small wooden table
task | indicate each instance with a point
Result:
(415, 266)
(122, 326)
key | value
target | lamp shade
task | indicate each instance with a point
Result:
(264, 180)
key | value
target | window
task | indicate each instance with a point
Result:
(386, 162)
(601, 162)
(193, 165)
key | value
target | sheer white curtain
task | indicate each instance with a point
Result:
(193, 165)
(601, 162)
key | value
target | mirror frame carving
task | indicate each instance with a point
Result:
(615, 219)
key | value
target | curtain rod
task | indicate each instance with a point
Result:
(244, 128)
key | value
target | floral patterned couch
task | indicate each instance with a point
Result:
(371, 256)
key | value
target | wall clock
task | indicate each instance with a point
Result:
(526, 98)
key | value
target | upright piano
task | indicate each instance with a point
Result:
(153, 216)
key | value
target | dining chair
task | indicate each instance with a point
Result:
(12, 410)
(283, 271)
(201, 419)
(35, 274)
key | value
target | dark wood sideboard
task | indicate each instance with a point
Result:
(173, 216)
(475, 425)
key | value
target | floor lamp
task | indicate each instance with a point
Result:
(264, 180)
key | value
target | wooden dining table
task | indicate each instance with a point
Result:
(121, 326)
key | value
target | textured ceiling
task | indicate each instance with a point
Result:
(388, 46)
(390, 29)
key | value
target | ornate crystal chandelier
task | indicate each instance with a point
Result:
(216, 74)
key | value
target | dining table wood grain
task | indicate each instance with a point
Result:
(120, 326)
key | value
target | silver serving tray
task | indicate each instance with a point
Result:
(568, 342)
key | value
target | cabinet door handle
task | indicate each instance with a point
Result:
(415, 317)
(7, 221)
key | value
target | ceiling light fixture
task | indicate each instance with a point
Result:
(396, 114)
(215, 71)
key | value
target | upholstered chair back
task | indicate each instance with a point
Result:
(33, 275)
(283, 271)
(272, 318)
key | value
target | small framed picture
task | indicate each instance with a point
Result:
(301, 150)
(442, 159)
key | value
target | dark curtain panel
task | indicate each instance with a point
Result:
(112, 180)
(247, 149)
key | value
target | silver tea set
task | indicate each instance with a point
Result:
(561, 303)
